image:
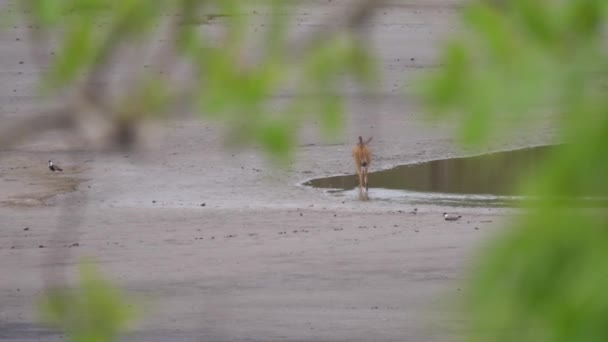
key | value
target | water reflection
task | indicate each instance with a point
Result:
(363, 195)
(492, 174)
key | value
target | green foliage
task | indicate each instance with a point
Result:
(521, 60)
(516, 61)
(93, 312)
(231, 84)
(544, 280)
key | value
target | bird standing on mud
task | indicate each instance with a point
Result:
(451, 217)
(54, 167)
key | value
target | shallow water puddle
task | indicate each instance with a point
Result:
(485, 179)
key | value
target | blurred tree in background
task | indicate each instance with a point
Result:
(227, 60)
(544, 278)
(222, 58)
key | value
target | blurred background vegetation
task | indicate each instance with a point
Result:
(193, 55)
(109, 67)
(541, 280)
(94, 311)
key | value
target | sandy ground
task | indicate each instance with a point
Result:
(264, 259)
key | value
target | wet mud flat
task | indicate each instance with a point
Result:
(27, 182)
(487, 174)
(492, 179)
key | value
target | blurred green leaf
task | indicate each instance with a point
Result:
(277, 28)
(542, 279)
(76, 54)
(46, 12)
(362, 65)
(236, 24)
(536, 20)
(445, 89)
(496, 37)
(95, 311)
(331, 110)
(151, 99)
(137, 16)
(231, 85)
(276, 137)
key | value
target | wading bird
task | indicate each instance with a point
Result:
(54, 167)
(451, 217)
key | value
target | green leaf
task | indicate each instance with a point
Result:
(46, 12)
(95, 311)
(276, 138)
(277, 28)
(363, 65)
(76, 53)
(331, 109)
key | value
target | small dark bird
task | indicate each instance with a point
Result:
(451, 217)
(415, 211)
(54, 167)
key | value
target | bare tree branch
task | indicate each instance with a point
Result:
(93, 92)
(11, 134)
(355, 18)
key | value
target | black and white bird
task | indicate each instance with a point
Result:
(54, 167)
(451, 217)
